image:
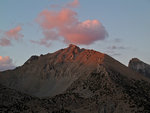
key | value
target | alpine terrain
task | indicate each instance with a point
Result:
(73, 80)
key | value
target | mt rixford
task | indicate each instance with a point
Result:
(74, 80)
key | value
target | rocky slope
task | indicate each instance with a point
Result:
(12, 101)
(74, 80)
(140, 67)
(51, 74)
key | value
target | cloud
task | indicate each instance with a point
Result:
(12, 34)
(115, 47)
(114, 50)
(6, 63)
(5, 42)
(56, 19)
(55, 6)
(49, 35)
(113, 53)
(116, 54)
(65, 25)
(73, 4)
(117, 40)
(85, 33)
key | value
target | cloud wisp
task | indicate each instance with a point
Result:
(5, 42)
(116, 47)
(73, 4)
(12, 34)
(114, 50)
(64, 24)
(6, 63)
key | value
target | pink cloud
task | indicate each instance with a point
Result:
(53, 19)
(12, 34)
(5, 42)
(85, 33)
(67, 26)
(73, 4)
(6, 63)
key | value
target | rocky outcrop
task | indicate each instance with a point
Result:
(74, 80)
(140, 67)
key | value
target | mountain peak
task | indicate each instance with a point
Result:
(73, 49)
(73, 46)
(135, 59)
(139, 66)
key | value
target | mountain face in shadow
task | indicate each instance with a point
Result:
(140, 67)
(74, 80)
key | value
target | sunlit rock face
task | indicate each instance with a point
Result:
(53, 73)
(74, 80)
(140, 67)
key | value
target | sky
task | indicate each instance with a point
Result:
(119, 28)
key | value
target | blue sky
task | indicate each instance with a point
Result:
(127, 23)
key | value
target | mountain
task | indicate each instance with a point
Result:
(74, 80)
(140, 67)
